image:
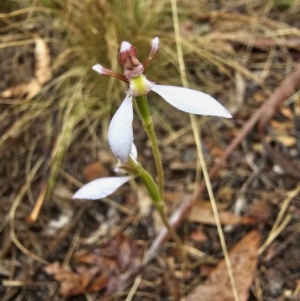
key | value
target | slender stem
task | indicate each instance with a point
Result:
(158, 202)
(147, 180)
(142, 104)
(172, 232)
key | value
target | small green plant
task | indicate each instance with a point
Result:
(120, 132)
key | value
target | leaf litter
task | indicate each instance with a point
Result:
(42, 74)
(243, 258)
(108, 267)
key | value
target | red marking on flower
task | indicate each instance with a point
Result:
(128, 58)
(127, 51)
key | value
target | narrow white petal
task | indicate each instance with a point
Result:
(125, 46)
(134, 151)
(120, 134)
(191, 101)
(155, 43)
(98, 68)
(100, 188)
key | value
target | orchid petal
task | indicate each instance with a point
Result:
(134, 151)
(191, 101)
(133, 155)
(120, 134)
(98, 68)
(155, 43)
(100, 188)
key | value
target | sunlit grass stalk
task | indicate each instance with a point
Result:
(200, 153)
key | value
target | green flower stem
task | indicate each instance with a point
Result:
(157, 200)
(142, 104)
(155, 193)
(147, 181)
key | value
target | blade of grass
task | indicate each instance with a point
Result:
(200, 153)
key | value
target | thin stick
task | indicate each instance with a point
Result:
(32, 218)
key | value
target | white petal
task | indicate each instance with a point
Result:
(155, 43)
(98, 68)
(120, 134)
(125, 46)
(100, 188)
(134, 152)
(191, 101)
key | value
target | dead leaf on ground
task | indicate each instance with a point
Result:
(259, 97)
(62, 192)
(27, 91)
(287, 112)
(286, 140)
(199, 235)
(107, 267)
(202, 213)
(282, 126)
(173, 196)
(71, 283)
(243, 258)
(260, 210)
(94, 171)
(240, 85)
(42, 74)
(42, 61)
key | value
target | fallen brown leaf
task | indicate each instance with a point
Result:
(286, 140)
(42, 74)
(260, 210)
(71, 283)
(287, 112)
(42, 61)
(28, 90)
(107, 267)
(240, 84)
(199, 235)
(62, 192)
(203, 214)
(94, 171)
(243, 258)
(281, 126)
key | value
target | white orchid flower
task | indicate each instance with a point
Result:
(120, 133)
